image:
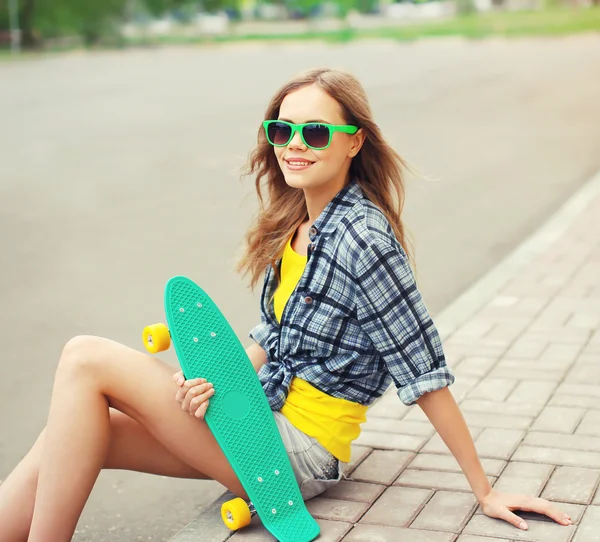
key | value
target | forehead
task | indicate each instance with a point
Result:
(310, 103)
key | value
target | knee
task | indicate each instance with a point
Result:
(80, 354)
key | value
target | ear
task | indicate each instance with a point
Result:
(356, 143)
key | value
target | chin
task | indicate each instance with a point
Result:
(296, 180)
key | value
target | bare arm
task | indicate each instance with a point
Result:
(257, 356)
(443, 412)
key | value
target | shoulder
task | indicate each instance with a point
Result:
(366, 236)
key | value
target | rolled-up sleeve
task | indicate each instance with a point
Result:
(392, 313)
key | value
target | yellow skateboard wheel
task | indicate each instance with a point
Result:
(156, 338)
(236, 514)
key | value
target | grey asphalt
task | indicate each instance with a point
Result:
(120, 170)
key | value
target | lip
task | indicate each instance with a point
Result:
(289, 162)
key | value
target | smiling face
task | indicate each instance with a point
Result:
(308, 168)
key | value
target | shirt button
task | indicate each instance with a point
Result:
(308, 300)
(312, 231)
(311, 248)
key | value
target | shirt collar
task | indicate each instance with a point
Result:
(336, 209)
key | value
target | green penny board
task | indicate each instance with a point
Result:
(239, 415)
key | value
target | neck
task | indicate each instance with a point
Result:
(318, 198)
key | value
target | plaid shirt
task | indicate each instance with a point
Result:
(356, 320)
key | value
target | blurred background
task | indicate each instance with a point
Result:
(124, 125)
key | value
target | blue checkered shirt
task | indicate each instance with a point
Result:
(356, 320)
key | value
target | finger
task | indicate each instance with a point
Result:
(192, 393)
(189, 384)
(511, 518)
(179, 378)
(201, 412)
(185, 388)
(197, 401)
(542, 506)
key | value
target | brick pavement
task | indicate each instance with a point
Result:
(528, 381)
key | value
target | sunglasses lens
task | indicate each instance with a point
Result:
(279, 133)
(316, 135)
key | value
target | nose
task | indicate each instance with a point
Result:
(296, 142)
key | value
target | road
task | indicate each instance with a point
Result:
(120, 169)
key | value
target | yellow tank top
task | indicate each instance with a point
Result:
(334, 422)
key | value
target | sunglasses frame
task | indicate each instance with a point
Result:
(345, 128)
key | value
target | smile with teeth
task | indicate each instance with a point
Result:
(294, 163)
(299, 162)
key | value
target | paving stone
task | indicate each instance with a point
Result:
(526, 349)
(379, 533)
(572, 484)
(590, 424)
(382, 467)
(596, 500)
(357, 455)
(532, 392)
(583, 443)
(436, 445)
(557, 457)
(564, 352)
(559, 419)
(446, 511)
(474, 329)
(565, 335)
(475, 366)
(463, 386)
(578, 401)
(528, 478)
(336, 509)
(585, 373)
(405, 427)
(587, 321)
(502, 408)
(576, 390)
(354, 491)
(493, 389)
(538, 531)
(588, 530)
(430, 479)
(390, 441)
(255, 532)
(447, 463)
(388, 406)
(474, 538)
(528, 373)
(498, 443)
(397, 506)
(507, 332)
(479, 419)
(415, 414)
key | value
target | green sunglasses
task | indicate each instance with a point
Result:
(315, 135)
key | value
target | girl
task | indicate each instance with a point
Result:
(341, 318)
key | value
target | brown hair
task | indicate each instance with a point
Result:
(378, 169)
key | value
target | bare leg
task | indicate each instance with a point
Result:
(94, 374)
(131, 448)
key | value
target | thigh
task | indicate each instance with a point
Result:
(134, 448)
(141, 386)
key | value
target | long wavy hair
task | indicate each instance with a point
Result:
(378, 169)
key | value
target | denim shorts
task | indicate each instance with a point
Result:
(316, 469)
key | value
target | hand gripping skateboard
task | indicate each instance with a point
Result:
(239, 415)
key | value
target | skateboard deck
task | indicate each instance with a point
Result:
(239, 414)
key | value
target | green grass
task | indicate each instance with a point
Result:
(539, 23)
(549, 22)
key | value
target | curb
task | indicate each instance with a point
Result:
(208, 527)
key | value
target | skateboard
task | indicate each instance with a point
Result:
(239, 414)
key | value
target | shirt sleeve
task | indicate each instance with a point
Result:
(391, 311)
